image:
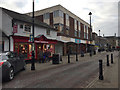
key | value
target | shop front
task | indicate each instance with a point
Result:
(24, 47)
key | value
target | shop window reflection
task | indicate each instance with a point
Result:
(23, 50)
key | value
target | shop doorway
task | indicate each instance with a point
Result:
(39, 51)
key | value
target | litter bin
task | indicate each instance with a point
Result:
(55, 59)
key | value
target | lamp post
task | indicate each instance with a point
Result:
(33, 53)
(90, 33)
(99, 40)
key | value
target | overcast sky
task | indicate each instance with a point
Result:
(104, 12)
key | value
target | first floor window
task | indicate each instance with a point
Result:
(84, 35)
(79, 34)
(46, 16)
(27, 28)
(76, 33)
(87, 35)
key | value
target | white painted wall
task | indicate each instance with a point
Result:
(11, 44)
(6, 44)
(0, 19)
(6, 24)
(37, 31)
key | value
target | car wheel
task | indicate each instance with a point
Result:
(11, 74)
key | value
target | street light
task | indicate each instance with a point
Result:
(91, 33)
(33, 47)
(99, 40)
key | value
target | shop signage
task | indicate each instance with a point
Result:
(66, 39)
(83, 41)
(72, 40)
(31, 38)
(15, 27)
(77, 41)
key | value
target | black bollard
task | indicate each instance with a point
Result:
(107, 60)
(90, 53)
(111, 58)
(76, 57)
(68, 57)
(100, 70)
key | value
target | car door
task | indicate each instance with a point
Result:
(13, 61)
(19, 62)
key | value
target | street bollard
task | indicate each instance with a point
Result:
(111, 58)
(91, 54)
(100, 70)
(76, 57)
(68, 57)
(107, 60)
(82, 54)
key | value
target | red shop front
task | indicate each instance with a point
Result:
(23, 46)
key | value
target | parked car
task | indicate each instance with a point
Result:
(10, 64)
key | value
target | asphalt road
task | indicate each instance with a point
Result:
(73, 75)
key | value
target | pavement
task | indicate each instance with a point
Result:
(110, 74)
(41, 66)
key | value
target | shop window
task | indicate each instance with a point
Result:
(48, 31)
(23, 49)
(16, 47)
(30, 51)
(48, 46)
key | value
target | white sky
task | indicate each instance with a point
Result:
(104, 12)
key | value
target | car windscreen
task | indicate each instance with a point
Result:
(3, 57)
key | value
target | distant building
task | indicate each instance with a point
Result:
(72, 31)
(100, 42)
(112, 41)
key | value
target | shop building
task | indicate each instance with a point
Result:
(72, 30)
(16, 31)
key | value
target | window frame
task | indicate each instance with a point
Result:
(76, 33)
(29, 27)
(46, 15)
(58, 13)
